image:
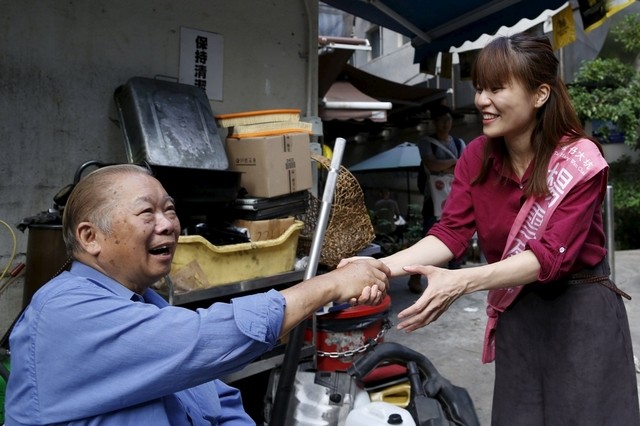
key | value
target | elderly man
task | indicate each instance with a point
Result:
(97, 346)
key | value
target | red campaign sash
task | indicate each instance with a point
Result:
(569, 165)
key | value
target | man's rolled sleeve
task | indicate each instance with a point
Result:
(260, 316)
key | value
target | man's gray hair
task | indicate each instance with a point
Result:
(90, 201)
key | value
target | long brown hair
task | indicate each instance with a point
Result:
(529, 60)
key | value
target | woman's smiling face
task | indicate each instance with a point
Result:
(508, 111)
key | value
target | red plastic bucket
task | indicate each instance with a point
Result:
(341, 336)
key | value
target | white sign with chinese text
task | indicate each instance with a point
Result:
(201, 56)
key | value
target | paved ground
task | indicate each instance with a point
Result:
(454, 342)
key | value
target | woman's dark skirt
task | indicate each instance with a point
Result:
(564, 357)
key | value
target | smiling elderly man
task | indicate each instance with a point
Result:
(97, 346)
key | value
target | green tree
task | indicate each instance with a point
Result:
(607, 90)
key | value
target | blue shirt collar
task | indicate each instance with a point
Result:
(106, 282)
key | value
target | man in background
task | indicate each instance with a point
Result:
(439, 153)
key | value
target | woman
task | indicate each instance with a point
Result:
(532, 187)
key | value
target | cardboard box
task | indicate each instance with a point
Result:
(260, 230)
(272, 165)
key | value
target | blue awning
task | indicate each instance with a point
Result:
(435, 25)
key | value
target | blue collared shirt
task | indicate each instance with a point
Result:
(87, 352)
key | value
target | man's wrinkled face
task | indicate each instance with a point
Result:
(144, 232)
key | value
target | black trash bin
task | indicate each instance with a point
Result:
(46, 252)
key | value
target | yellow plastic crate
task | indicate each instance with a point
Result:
(199, 264)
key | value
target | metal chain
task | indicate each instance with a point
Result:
(370, 342)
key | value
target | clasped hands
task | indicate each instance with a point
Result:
(445, 287)
(364, 281)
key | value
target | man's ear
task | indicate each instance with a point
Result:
(542, 94)
(87, 238)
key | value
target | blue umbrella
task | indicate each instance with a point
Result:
(401, 157)
(404, 157)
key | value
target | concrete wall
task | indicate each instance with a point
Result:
(62, 60)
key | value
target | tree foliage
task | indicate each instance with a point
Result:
(627, 32)
(607, 90)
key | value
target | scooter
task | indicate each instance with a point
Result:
(343, 398)
(434, 400)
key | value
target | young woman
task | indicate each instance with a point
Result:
(532, 188)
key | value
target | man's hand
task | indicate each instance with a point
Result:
(364, 280)
(360, 281)
(352, 259)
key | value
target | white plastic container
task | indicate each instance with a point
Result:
(379, 413)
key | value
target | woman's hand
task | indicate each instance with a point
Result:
(444, 287)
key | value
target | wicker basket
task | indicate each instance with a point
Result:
(349, 229)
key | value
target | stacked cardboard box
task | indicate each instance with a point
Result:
(271, 149)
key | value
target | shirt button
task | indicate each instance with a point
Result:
(562, 249)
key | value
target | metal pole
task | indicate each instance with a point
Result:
(291, 359)
(325, 209)
(609, 230)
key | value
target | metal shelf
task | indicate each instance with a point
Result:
(271, 360)
(244, 286)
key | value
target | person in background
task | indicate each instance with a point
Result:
(97, 345)
(532, 187)
(386, 213)
(439, 153)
